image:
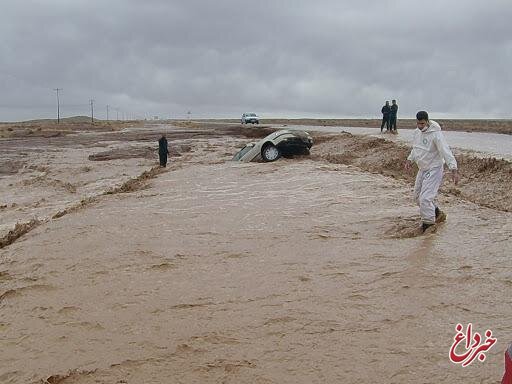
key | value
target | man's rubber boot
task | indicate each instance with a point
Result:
(428, 228)
(440, 216)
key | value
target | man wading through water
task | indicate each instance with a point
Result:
(163, 151)
(430, 151)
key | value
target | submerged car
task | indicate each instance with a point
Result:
(250, 118)
(280, 143)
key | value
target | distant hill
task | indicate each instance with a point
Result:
(72, 119)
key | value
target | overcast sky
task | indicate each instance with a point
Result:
(292, 58)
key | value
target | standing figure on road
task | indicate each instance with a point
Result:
(392, 116)
(163, 151)
(430, 151)
(386, 110)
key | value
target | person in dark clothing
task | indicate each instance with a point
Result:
(163, 151)
(392, 116)
(386, 110)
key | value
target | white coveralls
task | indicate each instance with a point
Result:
(430, 151)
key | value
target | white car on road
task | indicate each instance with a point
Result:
(250, 118)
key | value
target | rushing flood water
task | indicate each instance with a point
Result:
(488, 144)
(297, 271)
(287, 272)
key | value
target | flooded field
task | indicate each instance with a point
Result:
(40, 177)
(306, 270)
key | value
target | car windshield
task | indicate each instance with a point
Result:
(242, 152)
(251, 114)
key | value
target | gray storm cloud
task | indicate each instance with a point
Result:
(279, 58)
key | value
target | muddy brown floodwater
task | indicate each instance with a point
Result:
(297, 271)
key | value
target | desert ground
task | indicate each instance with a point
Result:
(303, 270)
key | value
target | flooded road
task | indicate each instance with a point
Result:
(480, 143)
(287, 272)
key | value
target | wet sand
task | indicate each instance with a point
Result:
(305, 270)
(478, 144)
(503, 126)
(483, 180)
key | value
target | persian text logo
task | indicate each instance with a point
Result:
(473, 346)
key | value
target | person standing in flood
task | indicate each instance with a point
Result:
(163, 151)
(392, 116)
(386, 110)
(430, 152)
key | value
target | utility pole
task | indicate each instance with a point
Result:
(117, 114)
(107, 112)
(92, 110)
(58, 104)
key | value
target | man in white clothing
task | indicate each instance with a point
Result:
(430, 152)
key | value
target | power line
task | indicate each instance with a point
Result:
(58, 104)
(92, 110)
